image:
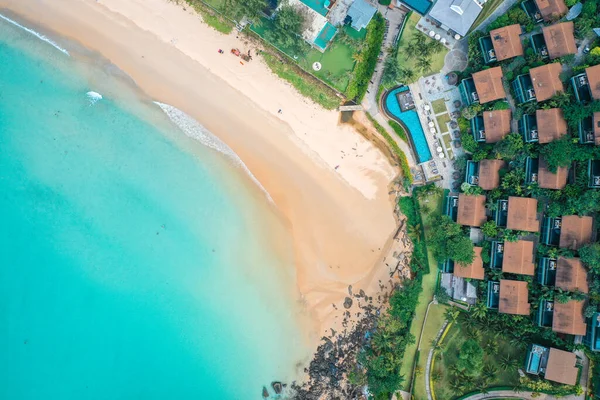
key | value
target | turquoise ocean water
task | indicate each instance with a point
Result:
(134, 260)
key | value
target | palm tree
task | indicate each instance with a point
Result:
(492, 347)
(508, 362)
(479, 310)
(489, 371)
(424, 64)
(358, 56)
(413, 230)
(451, 314)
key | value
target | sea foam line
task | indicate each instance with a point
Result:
(36, 34)
(195, 130)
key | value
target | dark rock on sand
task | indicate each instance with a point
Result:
(265, 393)
(277, 387)
(347, 302)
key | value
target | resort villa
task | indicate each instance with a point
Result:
(543, 127)
(484, 173)
(502, 44)
(555, 41)
(571, 275)
(536, 171)
(589, 130)
(491, 126)
(513, 297)
(575, 232)
(554, 364)
(472, 271)
(518, 258)
(518, 213)
(483, 87)
(568, 318)
(540, 84)
(456, 16)
(587, 84)
(471, 210)
(545, 10)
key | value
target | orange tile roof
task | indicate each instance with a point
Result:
(489, 173)
(562, 367)
(522, 214)
(560, 39)
(568, 318)
(518, 258)
(551, 9)
(571, 275)
(551, 124)
(496, 125)
(507, 42)
(474, 270)
(550, 180)
(471, 210)
(488, 84)
(546, 81)
(593, 76)
(575, 231)
(514, 297)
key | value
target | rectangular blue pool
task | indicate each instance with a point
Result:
(420, 6)
(411, 122)
(325, 36)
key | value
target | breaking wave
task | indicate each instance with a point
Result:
(36, 34)
(93, 97)
(195, 130)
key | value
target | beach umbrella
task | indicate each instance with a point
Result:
(427, 108)
(437, 36)
(457, 36)
(439, 149)
(431, 124)
(431, 33)
(441, 155)
(432, 130)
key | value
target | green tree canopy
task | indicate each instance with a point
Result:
(251, 9)
(510, 146)
(448, 240)
(590, 256)
(287, 29)
(470, 358)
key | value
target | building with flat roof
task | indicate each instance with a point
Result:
(560, 39)
(589, 130)
(571, 275)
(507, 42)
(592, 334)
(518, 258)
(472, 271)
(456, 15)
(514, 297)
(488, 84)
(522, 214)
(575, 231)
(587, 84)
(546, 81)
(594, 174)
(471, 210)
(568, 318)
(546, 271)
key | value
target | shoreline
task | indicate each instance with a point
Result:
(341, 220)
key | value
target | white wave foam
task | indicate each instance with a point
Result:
(93, 97)
(36, 34)
(195, 130)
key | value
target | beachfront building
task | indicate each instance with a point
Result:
(555, 365)
(536, 171)
(545, 10)
(518, 213)
(571, 275)
(484, 173)
(543, 127)
(360, 14)
(575, 232)
(483, 87)
(587, 84)
(555, 41)
(540, 84)
(568, 318)
(594, 174)
(456, 16)
(502, 44)
(513, 297)
(491, 126)
(472, 271)
(471, 210)
(589, 130)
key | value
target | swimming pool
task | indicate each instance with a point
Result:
(420, 6)
(325, 36)
(319, 6)
(410, 120)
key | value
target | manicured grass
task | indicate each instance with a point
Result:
(442, 120)
(430, 207)
(437, 60)
(488, 8)
(337, 64)
(435, 321)
(319, 93)
(399, 130)
(439, 106)
(450, 351)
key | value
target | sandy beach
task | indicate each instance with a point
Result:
(341, 220)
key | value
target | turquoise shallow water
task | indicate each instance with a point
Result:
(134, 263)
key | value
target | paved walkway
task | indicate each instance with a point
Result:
(430, 359)
(509, 394)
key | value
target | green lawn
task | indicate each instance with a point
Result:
(449, 356)
(439, 106)
(442, 120)
(437, 60)
(430, 207)
(435, 321)
(488, 8)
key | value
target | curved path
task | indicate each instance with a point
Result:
(430, 360)
(509, 394)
